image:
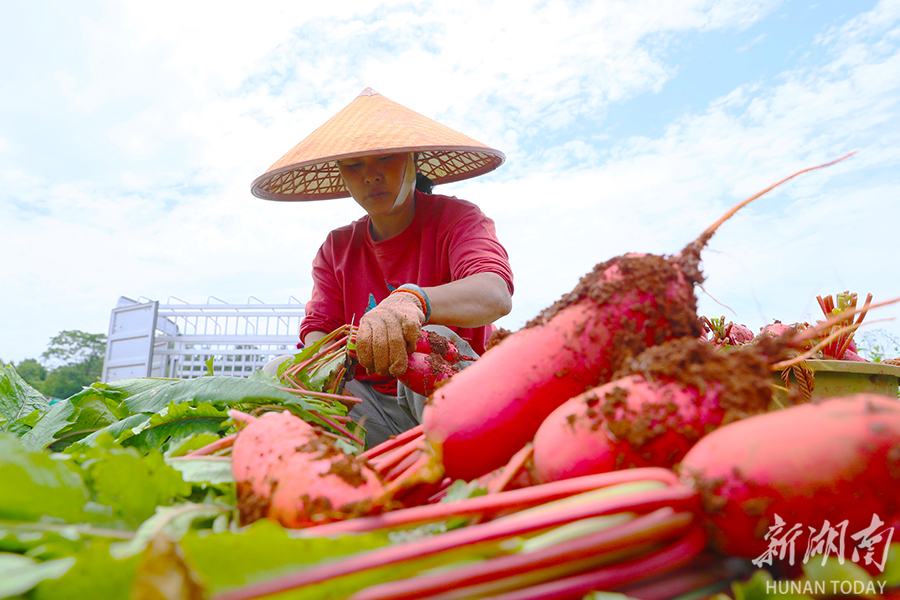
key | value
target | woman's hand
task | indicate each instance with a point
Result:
(387, 334)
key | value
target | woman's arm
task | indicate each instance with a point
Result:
(473, 301)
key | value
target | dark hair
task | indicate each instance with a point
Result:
(424, 184)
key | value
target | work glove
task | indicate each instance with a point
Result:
(387, 334)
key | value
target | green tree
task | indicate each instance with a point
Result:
(79, 357)
(75, 347)
(878, 345)
(33, 372)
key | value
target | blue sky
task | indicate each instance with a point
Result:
(131, 131)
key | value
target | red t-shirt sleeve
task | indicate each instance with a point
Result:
(324, 311)
(473, 248)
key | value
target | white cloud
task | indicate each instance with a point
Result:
(757, 40)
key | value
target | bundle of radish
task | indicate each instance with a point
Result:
(433, 362)
(843, 347)
(291, 472)
(484, 414)
(319, 372)
(613, 529)
(825, 469)
(726, 333)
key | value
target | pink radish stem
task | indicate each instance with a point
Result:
(676, 497)
(657, 527)
(666, 560)
(220, 444)
(384, 447)
(493, 504)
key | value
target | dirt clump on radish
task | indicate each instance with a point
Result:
(743, 374)
(438, 343)
(342, 464)
(498, 336)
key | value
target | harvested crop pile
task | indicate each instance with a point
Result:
(482, 416)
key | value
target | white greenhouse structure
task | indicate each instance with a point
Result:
(177, 339)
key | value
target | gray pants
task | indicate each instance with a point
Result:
(386, 415)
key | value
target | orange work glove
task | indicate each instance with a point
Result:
(387, 334)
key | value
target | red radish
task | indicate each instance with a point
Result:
(293, 473)
(425, 372)
(432, 363)
(486, 413)
(806, 466)
(778, 328)
(740, 334)
(431, 342)
(666, 399)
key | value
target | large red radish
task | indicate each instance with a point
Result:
(658, 406)
(835, 463)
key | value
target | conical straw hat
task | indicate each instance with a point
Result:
(372, 124)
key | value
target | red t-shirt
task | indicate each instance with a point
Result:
(448, 239)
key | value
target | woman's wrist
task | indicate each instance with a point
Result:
(420, 294)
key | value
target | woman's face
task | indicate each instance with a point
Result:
(375, 181)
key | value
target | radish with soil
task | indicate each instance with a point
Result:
(434, 361)
(293, 473)
(486, 413)
(654, 411)
(804, 467)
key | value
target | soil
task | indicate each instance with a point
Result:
(251, 507)
(498, 336)
(345, 466)
(439, 344)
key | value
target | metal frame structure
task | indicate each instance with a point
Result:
(177, 339)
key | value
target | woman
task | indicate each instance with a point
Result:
(415, 258)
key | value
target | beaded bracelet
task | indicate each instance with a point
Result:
(419, 293)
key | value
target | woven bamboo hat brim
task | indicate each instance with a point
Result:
(372, 125)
